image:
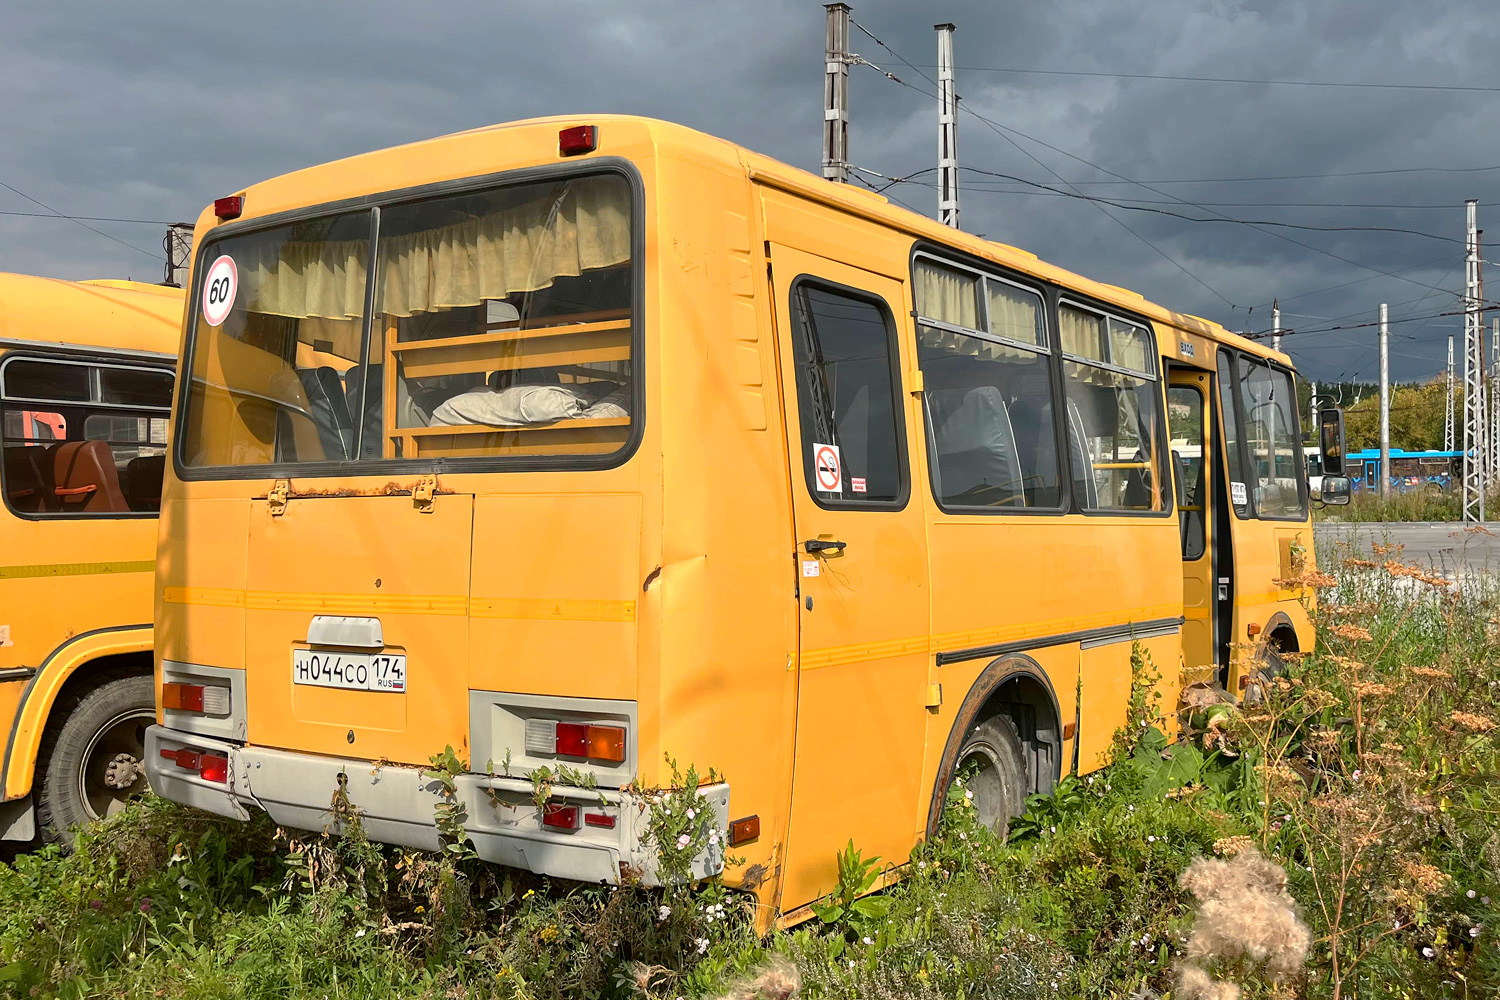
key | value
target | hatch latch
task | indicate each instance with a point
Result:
(276, 499)
(421, 494)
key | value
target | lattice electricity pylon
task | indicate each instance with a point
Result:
(1474, 428)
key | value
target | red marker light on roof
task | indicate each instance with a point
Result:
(230, 207)
(578, 139)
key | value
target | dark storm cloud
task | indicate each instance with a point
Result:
(149, 110)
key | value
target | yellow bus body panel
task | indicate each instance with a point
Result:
(827, 727)
(73, 589)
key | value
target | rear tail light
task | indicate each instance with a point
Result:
(575, 739)
(603, 820)
(184, 758)
(209, 766)
(214, 767)
(578, 139)
(210, 699)
(561, 817)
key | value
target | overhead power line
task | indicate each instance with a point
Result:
(85, 218)
(1300, 177)
(1139, 207)
(79, 222)
(1246, 81)
(1118, 221)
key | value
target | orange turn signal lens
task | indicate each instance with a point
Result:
(606, 743)
(182, 697)
(742, 830)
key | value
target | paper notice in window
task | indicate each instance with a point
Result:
(1237, 494)
(5, 636)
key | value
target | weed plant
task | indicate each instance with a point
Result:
(1334, 838)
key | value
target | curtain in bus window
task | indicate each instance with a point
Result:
(1269, 401)
(989, 416)
(946, 294)
(531, 285)
(846, 393)
(1239, 489)
(266, 382)
(1117, 412)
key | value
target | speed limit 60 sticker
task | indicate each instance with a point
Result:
(219, 289)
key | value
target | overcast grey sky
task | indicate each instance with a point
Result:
(150, 109)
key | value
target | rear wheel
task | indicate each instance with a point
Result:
(992, 765)
(93, 761)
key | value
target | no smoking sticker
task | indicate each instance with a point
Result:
(828, 468)
(219, 289)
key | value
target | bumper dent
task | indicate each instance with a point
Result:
(395, 804)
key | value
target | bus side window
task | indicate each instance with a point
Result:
(846, 394)
(82, 439)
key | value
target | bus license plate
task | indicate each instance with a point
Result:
(352, 671)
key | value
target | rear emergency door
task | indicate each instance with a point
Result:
(356, 627)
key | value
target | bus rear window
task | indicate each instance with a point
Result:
(501, 327)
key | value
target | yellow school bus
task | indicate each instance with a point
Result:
(86, 372)
(588, 441)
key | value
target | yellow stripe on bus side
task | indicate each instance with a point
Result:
(545, 610)
(38, 571)
(356, 604)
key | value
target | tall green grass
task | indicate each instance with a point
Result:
(1367, 773)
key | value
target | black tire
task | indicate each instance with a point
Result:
(992, 764)
(87, 734)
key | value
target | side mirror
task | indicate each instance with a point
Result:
(1331, 440)
(1336, 490)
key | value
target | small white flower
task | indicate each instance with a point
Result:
(968, 794)
(691, 813)
(1150, 840)
(1485, 900)
(713, 838)
(921, 864)
(683, 841)
(963, 836)
(1054, 829)
(361, 932)
(662, 913)
(1357, 774)
(851, 963)
(1473, 932)
(867, 940)
(702, 945)
(1428, 953)
(1471, 894)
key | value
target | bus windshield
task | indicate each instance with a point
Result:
(501, 326)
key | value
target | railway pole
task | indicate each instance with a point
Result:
(1385, 403)
(947, 129)
(836, 95)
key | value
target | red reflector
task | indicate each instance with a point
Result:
(599, 819)
(572, 739)
(184, 758)
(561, 817)
(230, 207)
(745, 829)
(214, 767)
(182, 697)
(578, 139)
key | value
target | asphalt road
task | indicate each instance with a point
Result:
(1446, 546)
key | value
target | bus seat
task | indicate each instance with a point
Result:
(141, 479)
(298, 436)
(373, 419)
(1085, 486)
(1037, 448)
(978, 461)
(86, 478)
(28, 478)
(330, 412)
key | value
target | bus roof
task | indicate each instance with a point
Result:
(482, 150)
(107, 313)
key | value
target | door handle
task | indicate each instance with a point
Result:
(813, 545)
